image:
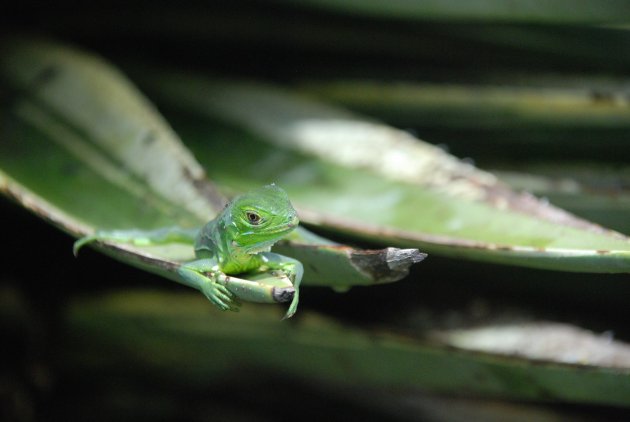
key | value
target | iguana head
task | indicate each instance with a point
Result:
(260, 218)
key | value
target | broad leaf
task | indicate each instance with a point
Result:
(356, 176)
(589, 189)
(85, 150)
(175, 330)
(603, 11)
(491, 101)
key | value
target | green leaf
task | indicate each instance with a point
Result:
(510, 101)
(353, 175)
(171, 330)
(591, 190)
(85, 150)
(582, 11)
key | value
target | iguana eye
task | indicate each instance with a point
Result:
(253, 218)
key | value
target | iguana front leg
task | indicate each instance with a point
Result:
(205, 276)
(225, 290)
(293, 269)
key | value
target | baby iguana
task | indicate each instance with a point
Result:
(237, 241)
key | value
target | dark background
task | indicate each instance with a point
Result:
(280, 43)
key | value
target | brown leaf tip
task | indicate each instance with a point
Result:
(402, 259)
(386, 265)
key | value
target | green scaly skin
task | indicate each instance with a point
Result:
(237, 241)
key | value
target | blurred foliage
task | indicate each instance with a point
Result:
(538, 92)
